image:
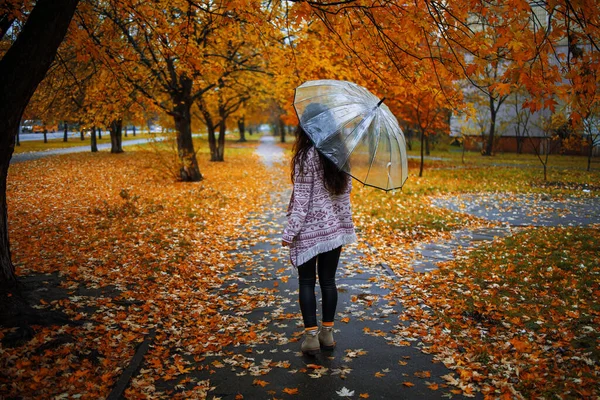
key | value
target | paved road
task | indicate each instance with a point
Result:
(20, 157)
(30, 137)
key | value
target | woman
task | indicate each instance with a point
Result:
(319, 224)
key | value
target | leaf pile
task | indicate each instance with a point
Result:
(135, 253)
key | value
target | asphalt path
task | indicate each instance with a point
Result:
(29, 137)
(369, 359)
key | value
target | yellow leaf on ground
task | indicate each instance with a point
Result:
(290, 390)
(423, 374)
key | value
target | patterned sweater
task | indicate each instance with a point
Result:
(317, 221)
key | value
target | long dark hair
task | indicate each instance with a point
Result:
(335, 180)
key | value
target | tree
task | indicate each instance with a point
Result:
(38, 40)
(423, 106)
(225, 101)
(173, 53)
(549, 143)
(155, 48)
(584, 93)
(496, 45)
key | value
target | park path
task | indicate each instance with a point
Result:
(512, 213)
(368, 359)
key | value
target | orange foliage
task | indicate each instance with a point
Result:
(155, 249)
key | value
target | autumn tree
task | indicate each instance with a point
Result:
(171, 53)
(424, 106)
(155, 48)
(584, 96)
(40, 33)
(497, 46)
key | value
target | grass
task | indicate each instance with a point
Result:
(453, 154)
(532, 298)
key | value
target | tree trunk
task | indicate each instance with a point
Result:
(545, 172)
(212, 142)
(133, 130)
(282, 130)
(66, 132)
(489, 145)
(590, 152)
(125, 130)
(242, 129)
(409, 136)
(221, 141)
(45, 135)
(189, 170)
(99, 133)
(18, 139)
(427, 150)
(93, 142)
(81, 134)
(116, 136)
(41, 35)
(422, 156)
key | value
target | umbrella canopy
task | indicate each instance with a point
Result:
(355, 130)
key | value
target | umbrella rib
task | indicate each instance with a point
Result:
(390, 129)
(374, 153)
(403, 159)
(353, 130)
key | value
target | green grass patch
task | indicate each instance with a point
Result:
(532, 300)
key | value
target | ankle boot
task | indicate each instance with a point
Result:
(310, 345)
(326, 338)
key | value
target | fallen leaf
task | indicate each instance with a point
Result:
(290, 390)
(345, 392)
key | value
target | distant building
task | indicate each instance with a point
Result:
(517, 130)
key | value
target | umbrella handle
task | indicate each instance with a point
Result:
(389, 168)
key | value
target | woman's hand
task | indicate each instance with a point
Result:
(284, 243)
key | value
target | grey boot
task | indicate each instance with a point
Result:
(326, 338)
(310, 345)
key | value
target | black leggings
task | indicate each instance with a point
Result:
(327, 265)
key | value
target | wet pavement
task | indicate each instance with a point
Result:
(512, 212)
(369, 360)
(526, 209)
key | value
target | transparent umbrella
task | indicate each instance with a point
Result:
(355, 130)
